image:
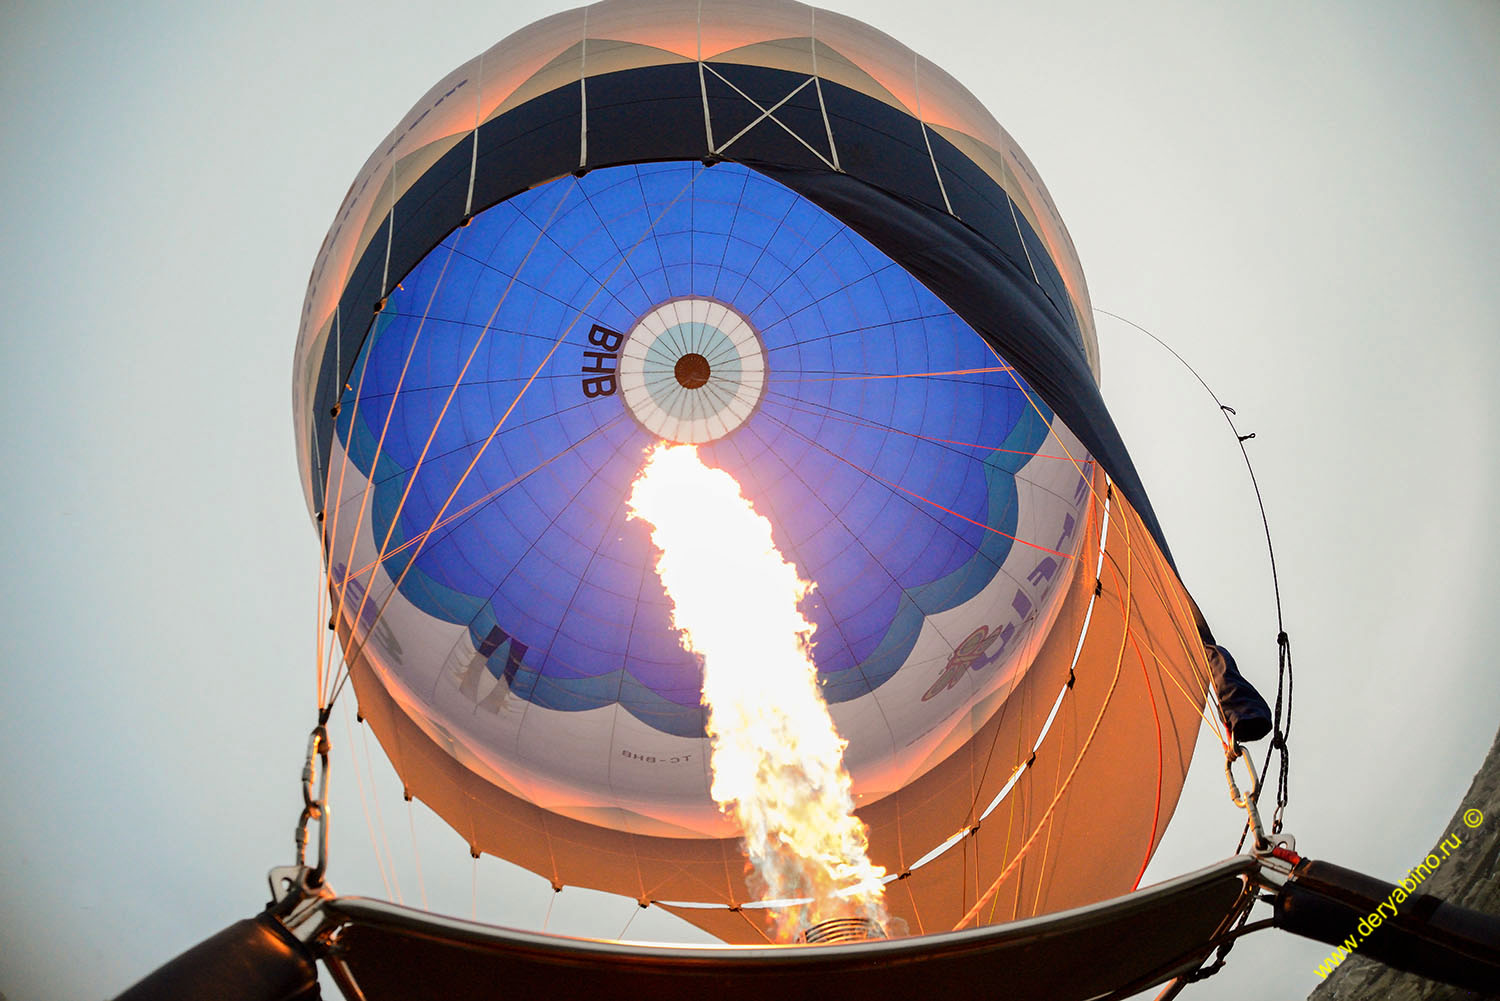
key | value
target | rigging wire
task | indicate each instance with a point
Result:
(330, 531)
(385, 841)
(547, 918)
(416, 851)
(1152, 583)
(1282, 711)
(364, 804)
(1125, 605)
(333, 685)
(358, 643)
(639, 906)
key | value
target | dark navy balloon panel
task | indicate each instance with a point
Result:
(506, 395)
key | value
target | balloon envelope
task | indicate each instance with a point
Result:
(777, 234)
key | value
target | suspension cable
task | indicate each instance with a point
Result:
(1282, 712)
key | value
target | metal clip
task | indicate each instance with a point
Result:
(314, 808)
(1247, 802)
(286, 881)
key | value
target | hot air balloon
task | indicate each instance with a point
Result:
(774, 233)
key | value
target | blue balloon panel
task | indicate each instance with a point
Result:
(505, 398)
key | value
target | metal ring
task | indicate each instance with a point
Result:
(314, 808)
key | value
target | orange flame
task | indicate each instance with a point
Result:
(777, 760)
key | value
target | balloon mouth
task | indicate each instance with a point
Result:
(692, 371)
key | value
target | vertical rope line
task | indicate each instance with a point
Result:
(978, 907)
(1196, 703)
(355, 645)
(479, 454)
(317, 457)
(326, 667)
(331, 520)
(1162, 585)
(833, 150)
(340, 603)
(583, 94)
(390, 231)
(370, 485)
(385, 840)
(1051, 431)
(1098, 515)
(633, 912)
(338, 357)
(335, 331)
(321, 480)
(416, 852)
(916, 911)
(754, 927)
(364, 803)
(555, 877)
(323, 536)
(322, 606)
(1283, 643)
(411, 479)
(1169, 597)
(548, 916)
(1195, 663)
(1020, 807)
(1051, 826)
(922, 124)
(1022, 237)
(1028, 650)
(1060, 722)
(1094, 516)
(904, 865)
(1010, 823)
(479, 502)
(1091, 517)
(474, 151)
(1156, 810)
(1227, 413)
(708, 124)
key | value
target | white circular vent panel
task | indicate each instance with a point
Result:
(692, 370)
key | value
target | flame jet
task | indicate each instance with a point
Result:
(777, 759)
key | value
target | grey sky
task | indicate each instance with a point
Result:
(1300, 197)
